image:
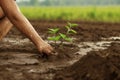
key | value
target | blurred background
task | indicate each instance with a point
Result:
(67, 2)
(85, 10)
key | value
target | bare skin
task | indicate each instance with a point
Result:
(13, 16)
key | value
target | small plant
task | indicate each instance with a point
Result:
(59, 36)
(70, 29)
(54, 32)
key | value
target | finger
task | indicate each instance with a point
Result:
(50, 52)
(54, 53)
(46, 51)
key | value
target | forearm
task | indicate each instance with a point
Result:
(5, 26)
(13, 13)
(24, 25)
(1, 13)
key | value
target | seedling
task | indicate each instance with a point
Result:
(54, 32)
(59, 36)
(64, 38)
(70, 29)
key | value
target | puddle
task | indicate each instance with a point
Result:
(92, 46)
(86, 47)
(16, 41)
(17, 58)
(112, 38)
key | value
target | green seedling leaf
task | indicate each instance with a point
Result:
(54, 38)
(67, 27)
(53, 31)
(51, 38)
(68, 39)
(74, 25)
(57, 38)
(69, 24)
(72, 31)
(62, 35)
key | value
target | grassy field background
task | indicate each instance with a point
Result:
(106, 14)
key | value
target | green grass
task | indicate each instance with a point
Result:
(106, 14)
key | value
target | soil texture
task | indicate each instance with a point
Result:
(93, 55)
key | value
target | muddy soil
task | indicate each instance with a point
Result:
(102, 65)
(20, 60)
(87, 31)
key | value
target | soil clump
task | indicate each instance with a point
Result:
(96, 65)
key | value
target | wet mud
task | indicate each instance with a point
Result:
(96, 65)
(94, 55)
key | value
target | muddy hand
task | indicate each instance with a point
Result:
(47, 49)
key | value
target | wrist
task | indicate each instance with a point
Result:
(39, 41)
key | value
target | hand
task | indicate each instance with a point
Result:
(45, 48)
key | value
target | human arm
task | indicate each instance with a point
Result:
(13, 13)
